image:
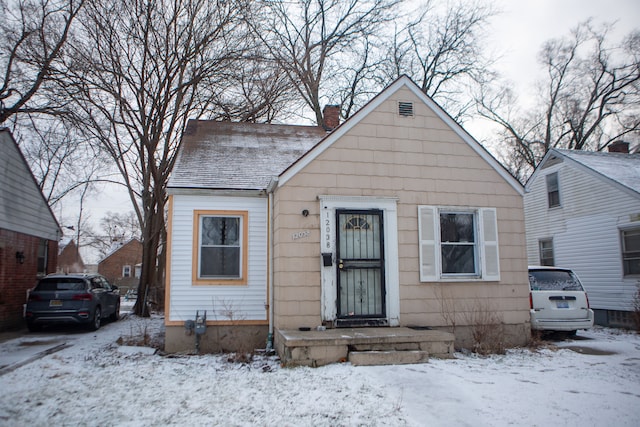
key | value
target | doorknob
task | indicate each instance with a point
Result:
(340, 264)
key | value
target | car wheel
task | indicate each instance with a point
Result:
(116, 314)
(95, 323)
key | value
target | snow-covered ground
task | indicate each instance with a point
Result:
(98, 382)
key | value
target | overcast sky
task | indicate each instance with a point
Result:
(523, 26)
(517, 33)
(519, 30)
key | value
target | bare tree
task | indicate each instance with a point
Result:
(256, 90)
(441, 49)
(32, 36)
(135, 73)
(589, 99)
(115, 228)
(62, 160)
(310, 39)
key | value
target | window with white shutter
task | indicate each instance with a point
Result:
(458, 244)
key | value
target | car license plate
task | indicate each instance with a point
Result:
(562, 304)
(55, 303)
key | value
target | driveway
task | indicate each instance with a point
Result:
(21, 347)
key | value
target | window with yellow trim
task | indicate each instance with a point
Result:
(221, 246)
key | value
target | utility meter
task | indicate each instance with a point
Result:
(201, 322)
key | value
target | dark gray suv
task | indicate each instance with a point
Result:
(72, 298)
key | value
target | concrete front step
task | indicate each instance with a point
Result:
(317, 348)
(392, 357)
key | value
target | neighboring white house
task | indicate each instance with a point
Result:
(582, 211)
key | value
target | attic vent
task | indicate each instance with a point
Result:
(405, 109)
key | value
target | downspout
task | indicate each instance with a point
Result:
(273, 184)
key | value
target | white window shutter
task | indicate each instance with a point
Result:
(489, 236)
(427, 216)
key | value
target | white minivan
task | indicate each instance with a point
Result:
(558, 300)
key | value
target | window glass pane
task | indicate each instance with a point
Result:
(457, 238)
(456, 227)
(42, 257)
(632, 266)
(220, 231)
(631, 240)
(458, 259)
(220, 254)
(631, 251)
(542, 280)
(220, 262)
(546, 253)
(60, 284)
(553, 190)
(552, 182)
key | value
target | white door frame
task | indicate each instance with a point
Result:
(329, 292)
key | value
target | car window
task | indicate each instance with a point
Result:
(60, 284)
(553, 280)
(105, 283)
(96, 283)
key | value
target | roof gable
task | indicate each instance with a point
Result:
(115, 248)
(402, 82)
(618, 169)
(23, 208)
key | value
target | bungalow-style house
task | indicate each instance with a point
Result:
(121, 266)
(29, 233)
(582, 211)
(69, 258)
(393, 223)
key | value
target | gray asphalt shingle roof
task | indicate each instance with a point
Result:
(620, 167)
(239, 156)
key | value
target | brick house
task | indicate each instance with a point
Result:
(29, 232)
(69, 259)
(122, 265)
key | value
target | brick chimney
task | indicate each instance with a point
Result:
(331, 117)
(619, 147)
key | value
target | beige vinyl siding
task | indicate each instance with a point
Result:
(222, 302)
(419, 161)
(585, 231)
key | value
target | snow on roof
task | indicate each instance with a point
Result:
(64, 241)
(239, 156)
(622, 168)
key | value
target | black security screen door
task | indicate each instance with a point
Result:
(360, 254)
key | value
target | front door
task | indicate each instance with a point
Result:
(360, 255)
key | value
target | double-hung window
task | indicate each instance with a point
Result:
(631, 252)
(458, 244)
(546, 252)
(220, 245)
(553, 190)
